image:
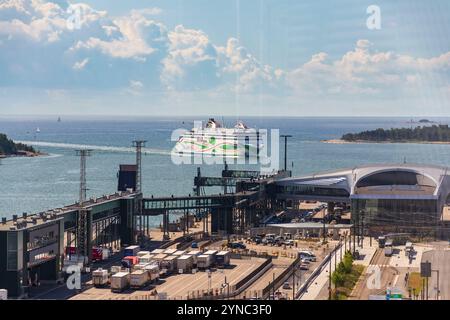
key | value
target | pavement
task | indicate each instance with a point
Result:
(440, 261)
(315, 290)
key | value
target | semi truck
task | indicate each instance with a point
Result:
(153, 271)
(100, 277)
(185, 263)
(131, 251)
(139, 279)
(120, 281)
(204, 261)
(388, 248)
(223, 258)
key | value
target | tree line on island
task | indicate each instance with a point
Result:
(434, 133)
(9, 147)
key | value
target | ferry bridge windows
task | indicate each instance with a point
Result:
(407, 178)
(302, 190)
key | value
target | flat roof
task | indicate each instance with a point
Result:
(309, 225)
(59, 212)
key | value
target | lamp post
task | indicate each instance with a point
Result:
(285, 136)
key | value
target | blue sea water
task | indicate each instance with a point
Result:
(35, 184)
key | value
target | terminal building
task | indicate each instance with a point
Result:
(398, 198)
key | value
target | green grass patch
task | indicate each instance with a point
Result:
(345, 277)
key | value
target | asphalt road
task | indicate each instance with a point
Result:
(440, 260)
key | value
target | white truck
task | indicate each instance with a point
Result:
(169, 263)
(185, 263)
(100, 277)
(153, 271)
(388, 248)
(139, 279)
(120, 281)
(204, 261)
(194, 255)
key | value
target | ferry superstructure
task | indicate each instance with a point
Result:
(215, 140)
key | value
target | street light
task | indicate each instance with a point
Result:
(285, 136)
(226, 284)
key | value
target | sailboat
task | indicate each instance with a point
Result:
(38, 130)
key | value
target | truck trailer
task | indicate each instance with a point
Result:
(120, 281)
(139, 279)
(100, 277)
(223, 258)
(204, 261)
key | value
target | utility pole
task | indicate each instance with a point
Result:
(83, 227)
(285, 136)
(138, 144)
(329, 279)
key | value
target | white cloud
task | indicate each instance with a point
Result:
(80, 64)
(366, 72)
(136, 46)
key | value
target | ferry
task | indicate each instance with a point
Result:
(215, 140)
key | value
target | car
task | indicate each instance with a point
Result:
(304, 266)
(194, 245)
(236, 245)
(305, 260)
(289, 242)
(286, 285)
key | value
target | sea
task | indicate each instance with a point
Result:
(35, 184)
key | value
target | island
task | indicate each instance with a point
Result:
(9, 148)
(420, 134)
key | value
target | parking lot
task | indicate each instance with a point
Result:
(178, 286)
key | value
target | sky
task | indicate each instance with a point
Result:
(229, 57)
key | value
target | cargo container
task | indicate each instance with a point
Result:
(146, 259)
(223, 258)
(131, 251)
(153, 271)
(157, 251)
(139, 278)
(213, 254)
(169, 263)
(143, 253)
(130, 261)
(159, 257)
(120, 281)
(179, 253)
(170, 251)
(116, 269)
(184, 263)
(204, 261)
(100, 277)
(194, 255)
(140, 266)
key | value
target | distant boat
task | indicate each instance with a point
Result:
(38, 130)
(59, 119)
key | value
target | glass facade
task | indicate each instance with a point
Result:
(305, 190)
(380, 216)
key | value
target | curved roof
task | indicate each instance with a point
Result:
(405, 180)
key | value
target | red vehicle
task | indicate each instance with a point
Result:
(71, 250)
(130, 261)
(100, 254)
